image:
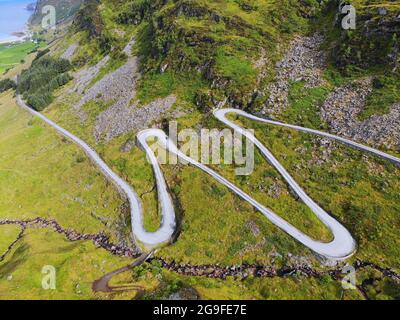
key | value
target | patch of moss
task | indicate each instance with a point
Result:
(304, 105)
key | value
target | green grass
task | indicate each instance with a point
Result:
(236, 68)
(378, 287)
(12, 54)
(153, 86)
(304, 105)
(156, 86)
(295, 287)
(36, 161)
(131, 166)
(7, 236)
(41, 174)
(361, 191)
(77, 265)
(215, 226)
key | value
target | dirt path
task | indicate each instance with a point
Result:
(102, 284)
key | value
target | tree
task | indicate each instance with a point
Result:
(7, 84)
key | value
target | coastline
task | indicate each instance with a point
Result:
(25, 33)
(15, 39)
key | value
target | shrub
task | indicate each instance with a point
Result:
(41, 53)
(38, 83)
(7, 84)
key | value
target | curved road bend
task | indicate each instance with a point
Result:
(343, 244)
(221, 115)
(149, 239)
(340, 248)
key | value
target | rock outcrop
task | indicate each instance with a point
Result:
(118, 88)
(120, 119)
(69, 53)
(340, 111)
(303, 62)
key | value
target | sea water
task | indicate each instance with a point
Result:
(13, 18)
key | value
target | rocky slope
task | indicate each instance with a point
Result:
(341, 111)
(303, 61)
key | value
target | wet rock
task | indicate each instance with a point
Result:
(382, 11)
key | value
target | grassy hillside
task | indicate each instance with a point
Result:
(37, 162)
(41, 176)
(63, 198)
(375, 42)
(12, 54)
(372, 50)
(218, 41)
(204, 53)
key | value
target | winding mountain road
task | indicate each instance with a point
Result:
(341, 247)
(343, 244)
(149, 239)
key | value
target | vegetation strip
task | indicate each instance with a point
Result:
(210, 271)
(340, 248)
(11, 246)
(99, 239)
(260, 271)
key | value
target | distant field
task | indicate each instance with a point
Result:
(12, 54)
